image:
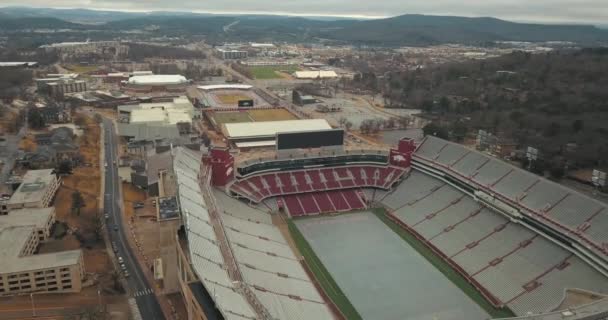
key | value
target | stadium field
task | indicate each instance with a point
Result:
(271, 115)
(270, 72)
(231, 99)
(382, 276)
(231, 117)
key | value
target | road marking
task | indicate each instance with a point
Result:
(144, 292)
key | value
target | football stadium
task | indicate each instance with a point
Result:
(425, 229)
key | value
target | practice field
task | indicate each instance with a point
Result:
(380, 273)
(270, 72)
(271, 115)
(231, 117)
(232, 99)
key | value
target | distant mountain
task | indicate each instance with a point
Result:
(83, 16)
(413, 30)
(423, 29)
(10, 24)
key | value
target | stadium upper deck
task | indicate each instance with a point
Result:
(571, 217)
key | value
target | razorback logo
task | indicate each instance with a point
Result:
(398, 158)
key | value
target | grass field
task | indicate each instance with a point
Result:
(231, 117)
(444, 268)
(81, 69)
(270, 72)
(322, 275)
(232, 99)
(271, 115)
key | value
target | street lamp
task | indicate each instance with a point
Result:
(33, 306)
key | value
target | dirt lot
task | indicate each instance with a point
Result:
(132, 195)
(86, 180)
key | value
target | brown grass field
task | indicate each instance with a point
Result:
(271, 115)
(232, 99)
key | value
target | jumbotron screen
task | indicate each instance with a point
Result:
(310, 139)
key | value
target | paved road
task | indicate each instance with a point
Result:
(138, 286)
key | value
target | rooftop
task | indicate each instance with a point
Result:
(33, 187)
(14, 239)
(225, 87)
(315, 74)
(269, 129)
(158, 79)
(35, 217)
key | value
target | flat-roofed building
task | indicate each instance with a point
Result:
(263, 133)
(178, 110)
(150, 83)
(42, 219)
(22, 271)
(320, 74)
(228, 54)
(36, 191)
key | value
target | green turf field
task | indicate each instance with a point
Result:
(444, 267)
(322, 275)
(269, 72)
(231, 117)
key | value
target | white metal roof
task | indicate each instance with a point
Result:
(158, 79)
(212, 87)
(315, 74)
(271, 128)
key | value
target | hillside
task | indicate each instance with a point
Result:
(422, 29)
(9, 23)
(413, 30)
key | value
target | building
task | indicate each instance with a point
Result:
(18, 65)
(155, 83)
(263, 133)
(59, 87)
(147, 176)
(36, 191)
(301, 99)
(320, 74)
(228, 54)
(22, 271)
(168, 113)
(55, 114)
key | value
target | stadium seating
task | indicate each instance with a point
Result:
(322, 202)
(513, 265)
(572, 213)
(261, 186)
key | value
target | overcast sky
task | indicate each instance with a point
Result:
(581, 11)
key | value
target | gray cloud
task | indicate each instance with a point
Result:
(582, 11)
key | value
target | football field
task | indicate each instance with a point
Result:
(382, 275)
(231, 99)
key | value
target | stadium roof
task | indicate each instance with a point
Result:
(315, 74)
(33, 187)
(268, 129)
(212, 87)
(164, 79)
